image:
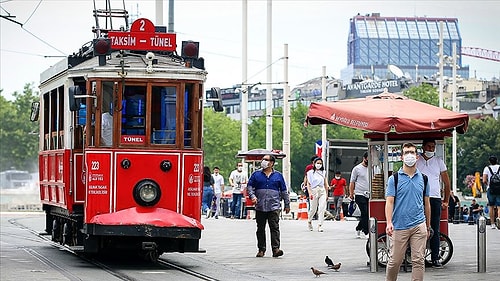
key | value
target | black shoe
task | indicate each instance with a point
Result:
(436, 264)
(260, 254)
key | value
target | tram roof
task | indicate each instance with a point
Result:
(135, 66)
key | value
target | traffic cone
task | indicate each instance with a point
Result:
(302, 215)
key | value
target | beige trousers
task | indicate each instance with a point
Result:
(417, 238)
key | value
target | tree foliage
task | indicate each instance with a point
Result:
(221, 141)
(481, 140)
(18, 136)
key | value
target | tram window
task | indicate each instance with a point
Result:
(134, 111)
(188, 122)
(107, 114)
(163, 117)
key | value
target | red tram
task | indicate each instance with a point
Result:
(121, 157)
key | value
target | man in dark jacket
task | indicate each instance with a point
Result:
(266, 188)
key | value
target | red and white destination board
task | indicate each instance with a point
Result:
(142, 36)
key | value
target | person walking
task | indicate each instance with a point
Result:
(317, 187)
(266, 188)
(407, 212)
(338, 183)
(208, 191)
(237, 180)
(359, 191)
(493, 199)
(218, 189)
(435, 169)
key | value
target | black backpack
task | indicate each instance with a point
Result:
(494, 184)
(426, 180)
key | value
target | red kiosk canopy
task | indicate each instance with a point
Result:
(388, 113)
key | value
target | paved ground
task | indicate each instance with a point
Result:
(231, 249)
(304, 249)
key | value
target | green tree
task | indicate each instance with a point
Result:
(18, 136)
(481, 140)
(424, 93)
(221, 141)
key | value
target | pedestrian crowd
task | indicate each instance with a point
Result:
(415, 197)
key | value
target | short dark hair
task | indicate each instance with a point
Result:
(216, 168)
(365, 155)
(425, 141)
(493, 160)
(338, 172)
(272, 158)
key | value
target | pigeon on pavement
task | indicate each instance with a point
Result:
(317, 272)
(328, 261)
(336, 267)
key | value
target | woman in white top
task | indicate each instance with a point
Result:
(317, 186)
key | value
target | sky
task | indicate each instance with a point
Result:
(315, 30)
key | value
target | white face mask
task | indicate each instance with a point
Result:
(429, 154)
(337, 178)
(264, 164)
(240, 169)
(318, 166)
(410, 159)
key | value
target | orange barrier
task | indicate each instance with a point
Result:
(302, 212)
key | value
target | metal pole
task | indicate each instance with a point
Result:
(323, 127)
(372, 226)
(455, 108)
(286, 122)
(159, 12)
(171, 16)
(269, 90)
(244, 76)
(481, 244)
(441, 80)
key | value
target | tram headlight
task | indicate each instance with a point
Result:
(147, 193)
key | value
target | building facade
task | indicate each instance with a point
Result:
(392, 47)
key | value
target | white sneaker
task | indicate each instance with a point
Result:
(320, 229)
(310, 226)
(209, 212)
(493, 226)
(367, 236)
(358, 233)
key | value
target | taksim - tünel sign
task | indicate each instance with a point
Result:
(142, 37)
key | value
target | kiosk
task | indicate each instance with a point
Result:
(390, 120)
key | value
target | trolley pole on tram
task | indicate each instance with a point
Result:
(372, 226)
(481, 245)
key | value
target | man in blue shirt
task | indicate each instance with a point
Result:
(266, 188)
(407, 212)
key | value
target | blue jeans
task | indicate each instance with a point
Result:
(208, 195)
(236, 205)
(435, 221)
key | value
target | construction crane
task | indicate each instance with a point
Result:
(481, 53)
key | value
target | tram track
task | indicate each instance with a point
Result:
(119, 274)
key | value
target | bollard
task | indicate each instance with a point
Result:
(372, 226)
(481, 245)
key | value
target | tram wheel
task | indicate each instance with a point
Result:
(55, 231)
(66, 235)
(150, 256)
